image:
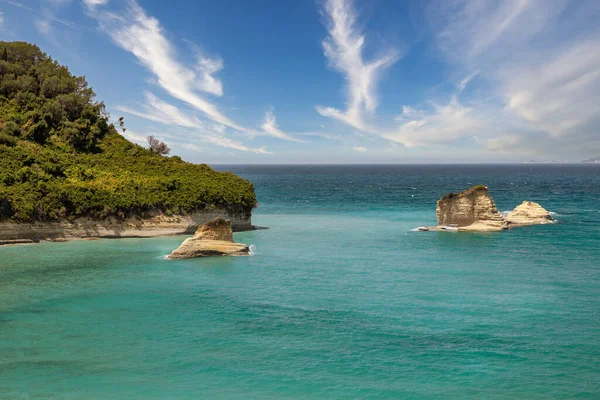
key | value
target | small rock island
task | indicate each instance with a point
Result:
(215, 238)
(474, 209)
(529, 213)
(470, 210)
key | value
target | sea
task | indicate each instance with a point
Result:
(342, 299)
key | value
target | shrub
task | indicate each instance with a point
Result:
(7, 140)
(59, 157)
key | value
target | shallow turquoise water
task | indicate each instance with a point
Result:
(342, 299)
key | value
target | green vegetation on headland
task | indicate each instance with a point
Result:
(464, 192)
(61, 159)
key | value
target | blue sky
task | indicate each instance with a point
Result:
(335, 81)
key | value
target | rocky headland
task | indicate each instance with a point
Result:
(215, 238)
(474, 209)
(68, 173)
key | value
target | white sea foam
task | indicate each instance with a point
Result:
(252, 249)
(418, 229)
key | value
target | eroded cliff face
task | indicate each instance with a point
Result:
(215, 238)
(472, 209)
(529, 213)
(216, 229)
(82, 228)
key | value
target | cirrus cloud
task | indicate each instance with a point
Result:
(344, 50)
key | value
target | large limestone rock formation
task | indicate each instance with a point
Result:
(215, 238)
(529, 213)
(471, 210)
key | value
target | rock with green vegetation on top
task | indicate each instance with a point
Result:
(470, 210)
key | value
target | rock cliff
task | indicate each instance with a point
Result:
(215, 238)
(529, 213)
(86, 228)
(471, 210)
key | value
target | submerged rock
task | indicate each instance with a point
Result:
(215, 238)
(470, 210)
(529, 213)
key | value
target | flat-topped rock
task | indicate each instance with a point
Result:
(470, 210)
(215, 238)
(529, 213)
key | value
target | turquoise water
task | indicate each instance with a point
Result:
(342, 300)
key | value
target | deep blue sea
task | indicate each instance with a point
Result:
(342, 299)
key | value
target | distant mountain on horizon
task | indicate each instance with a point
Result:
(592, 160)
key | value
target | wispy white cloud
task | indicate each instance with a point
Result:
(344, 50)
(94, 3)
(270, 127)
(45, 17)
(59, 3)
(43, 26)
(559, 94)
(1, 20)
(188, 138)
(233, 144)
(437, 125)
(462, 85)
(505, 143)
(538, 73)
(219, 128)
(360, 149)
(20, 5)
(324, 135)
(206, 68)
(135, 137)
(192, 147)
(540, 60)
(143, 36)
(157, 110)
(469, 30)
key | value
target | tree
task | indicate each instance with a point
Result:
(46, 101)
(158, 147)
(122, 124)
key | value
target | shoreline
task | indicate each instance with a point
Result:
(88, 229)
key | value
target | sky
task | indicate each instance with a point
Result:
(335, 81)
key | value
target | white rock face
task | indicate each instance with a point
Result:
(85, 228)
(529, 213)
(470, 210)
(215, 238)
